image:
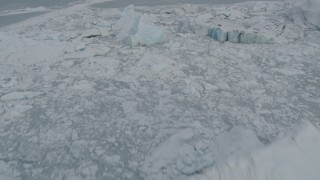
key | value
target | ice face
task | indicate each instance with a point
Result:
(218, 34)
(234, 36)
(137, 29)
(311, 12)
(127, 25)
(147, 34)
(247, 38)
(260, 39)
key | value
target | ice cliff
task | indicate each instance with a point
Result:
(236, 36)
(136, 29)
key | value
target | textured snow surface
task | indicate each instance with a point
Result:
(20, 95)
(294, 157)
(192, 150)
(76, 102)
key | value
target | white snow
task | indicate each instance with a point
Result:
(20, 95)
(30, 51)
(294, 157)
(85, 94)
(5, 173)
(156, 64)
(187, 152)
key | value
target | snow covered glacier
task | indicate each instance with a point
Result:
(139, 93)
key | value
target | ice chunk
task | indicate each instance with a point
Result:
(294, 157)
(91, 33)
(248, 38)
(218, 34)
(190, 8)
(127, 23)
(311, 12)
(53, 37)
(221, 35)
(135, 29)
(234, 36)
(261, 39)
(80, 47)
(147, 34)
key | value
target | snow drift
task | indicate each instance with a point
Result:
(192, 150)
(294, 157)
(196, 154)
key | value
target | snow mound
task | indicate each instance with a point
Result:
(196, 153)
(191, 150)
(294, 157)
(137, 29)
(311, 12)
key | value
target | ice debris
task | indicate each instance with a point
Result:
(137, 29)
(249, 26)
(236, 36)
